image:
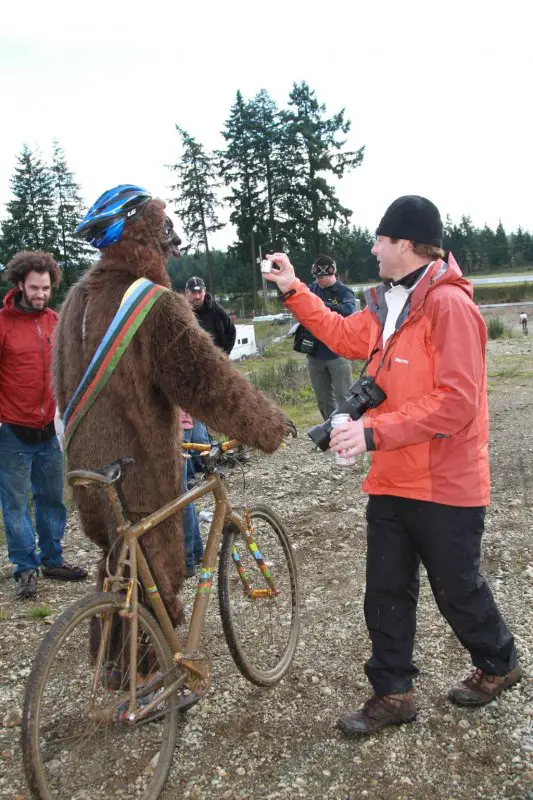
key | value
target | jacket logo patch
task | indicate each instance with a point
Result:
(401, 360)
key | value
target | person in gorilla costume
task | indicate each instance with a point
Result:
(170, 363)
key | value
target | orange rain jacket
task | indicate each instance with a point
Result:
(431, 433)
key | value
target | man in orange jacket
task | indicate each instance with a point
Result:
(424, 342)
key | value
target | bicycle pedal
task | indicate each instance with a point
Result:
(188, 701)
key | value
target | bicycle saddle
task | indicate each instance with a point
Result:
(108, 474)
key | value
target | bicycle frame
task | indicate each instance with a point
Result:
(132, 556)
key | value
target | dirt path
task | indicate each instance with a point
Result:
(282, 743)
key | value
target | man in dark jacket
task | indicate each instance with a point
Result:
(216, 322)
(30, 456)
(210, 315)
(329, 373)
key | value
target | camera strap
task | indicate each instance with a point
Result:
(376, 350)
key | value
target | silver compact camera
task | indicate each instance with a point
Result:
(266, 265)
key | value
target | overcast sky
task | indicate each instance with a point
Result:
(440, 94)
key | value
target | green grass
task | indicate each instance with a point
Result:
(263, 330)
(511, 368)
(40, 612)
(282, 375)
(508, 273)
(503, 293)
(496, 328)
(3, 615)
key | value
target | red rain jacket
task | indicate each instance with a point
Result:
(431, 433)
(26, 396)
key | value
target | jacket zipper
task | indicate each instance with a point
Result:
(40, 334)
(408, 321)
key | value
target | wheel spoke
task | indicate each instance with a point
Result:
(260, 615)
(74, 742)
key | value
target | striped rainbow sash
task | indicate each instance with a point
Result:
(135, 305)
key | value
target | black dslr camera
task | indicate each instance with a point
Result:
(365, 394)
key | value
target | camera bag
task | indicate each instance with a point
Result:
(304, 341)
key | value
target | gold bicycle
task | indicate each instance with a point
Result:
(111, 677)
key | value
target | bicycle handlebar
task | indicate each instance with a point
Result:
(205, 448)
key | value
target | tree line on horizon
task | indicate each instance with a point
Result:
(275, 180)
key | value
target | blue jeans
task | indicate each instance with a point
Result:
(38, 467)
(194, 548)
(199, 434)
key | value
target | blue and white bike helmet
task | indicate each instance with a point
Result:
(104, 222)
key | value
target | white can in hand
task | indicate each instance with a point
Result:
(341, 461)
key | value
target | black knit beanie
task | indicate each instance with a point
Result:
(414, 218)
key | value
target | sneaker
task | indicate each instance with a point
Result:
(480, 687)
(190, 572)
(242, 455)
(64, 572)
(377, 712)
(26, 587)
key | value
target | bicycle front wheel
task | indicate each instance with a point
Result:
(76, 743)
(261, 625)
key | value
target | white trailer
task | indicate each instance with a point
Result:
(245, 345)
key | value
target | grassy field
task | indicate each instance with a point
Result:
(506, 274)
(509, 368)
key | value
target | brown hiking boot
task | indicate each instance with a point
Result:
(377, 712)
(480, 688)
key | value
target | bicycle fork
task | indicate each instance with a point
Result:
(248, 587)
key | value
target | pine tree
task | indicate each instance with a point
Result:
(500, 248)
(310, 150)
(195, 198)
(241, 172)
(351, 249)
(486, 243)
(266, 145)
(469, 245)
(30, 223)
(517, 247)
(74, 253)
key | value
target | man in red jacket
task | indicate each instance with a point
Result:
(30, 456)
(423, 340)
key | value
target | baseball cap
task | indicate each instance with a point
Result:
(195, 284)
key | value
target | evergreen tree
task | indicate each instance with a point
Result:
(266, 143)
(469, 255)
(195, 198)
(486, 242)
(74, 253)
(241, 171)
(500, 248)
(453, 239)
(518, 247)
(350, 247)
(30, 223)
(310, 150)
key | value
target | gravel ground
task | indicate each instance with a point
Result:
(244, 742)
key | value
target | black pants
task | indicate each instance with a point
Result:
(447, 539)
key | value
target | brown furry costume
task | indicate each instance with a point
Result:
(171, 362)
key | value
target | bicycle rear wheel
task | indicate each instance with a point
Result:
(75, 742)
(261, 629)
